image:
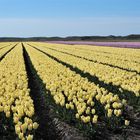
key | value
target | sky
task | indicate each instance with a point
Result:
(28, 18)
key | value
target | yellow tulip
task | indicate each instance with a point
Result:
(127, 122)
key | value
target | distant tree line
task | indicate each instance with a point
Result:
(132, 37)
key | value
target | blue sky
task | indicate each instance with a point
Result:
(26, 18)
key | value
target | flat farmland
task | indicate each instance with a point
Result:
(65, 91)
(117, 44)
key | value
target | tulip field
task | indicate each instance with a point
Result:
(69, 92)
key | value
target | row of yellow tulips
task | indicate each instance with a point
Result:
(15, 100)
